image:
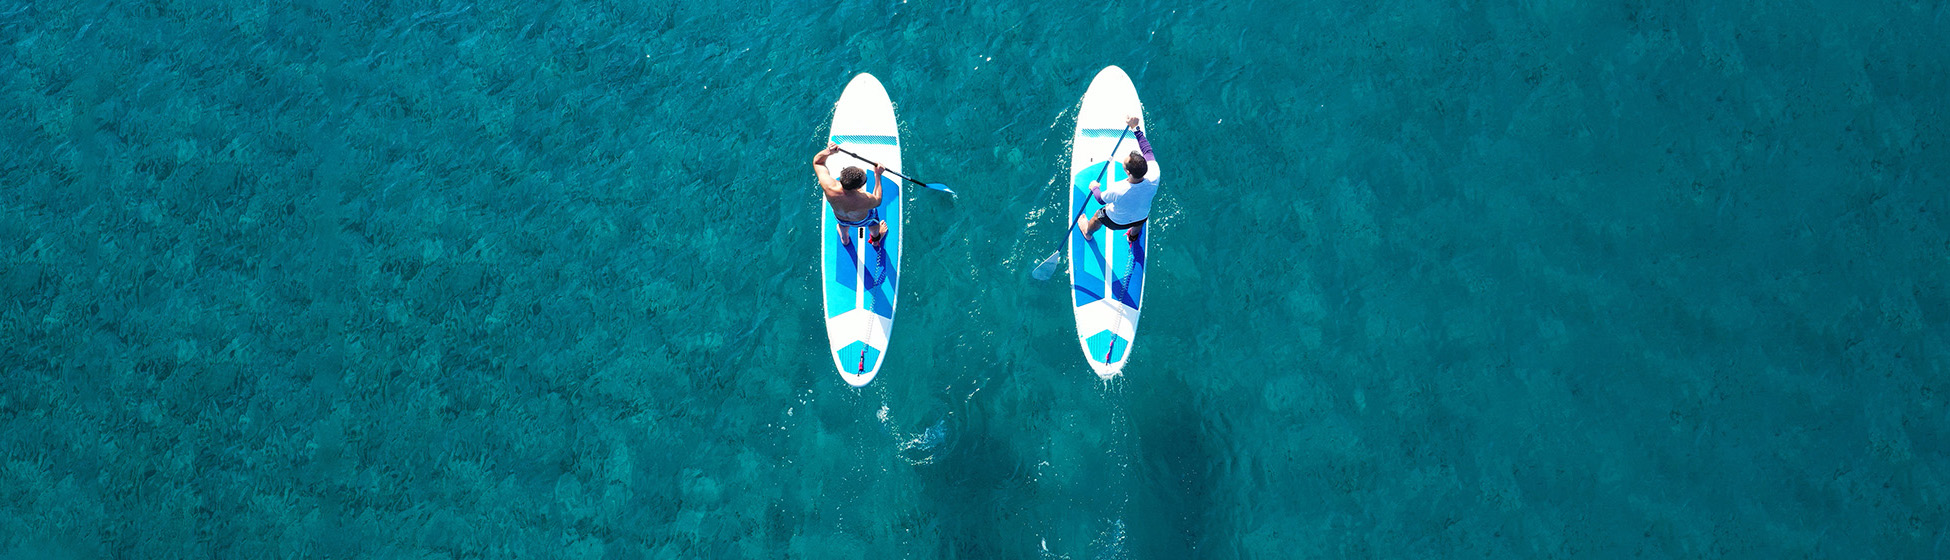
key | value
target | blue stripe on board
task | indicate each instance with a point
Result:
(1085, 295)
(1086, 258)
(1128, 271)
(1128, 286)
(1101, 132)
(881, 294)
(1087, 270)
(866, 139)
(841, 264)
(883, 278)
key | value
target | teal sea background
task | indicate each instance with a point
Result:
(1431, 279)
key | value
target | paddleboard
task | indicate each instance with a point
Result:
(860, 280)
(1106, 275)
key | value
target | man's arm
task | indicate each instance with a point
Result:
(878, 186)
(826, 183)
(1145, 147)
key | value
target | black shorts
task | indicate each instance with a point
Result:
(1104, 219)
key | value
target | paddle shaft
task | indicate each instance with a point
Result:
(1105, 174)
(889, 172)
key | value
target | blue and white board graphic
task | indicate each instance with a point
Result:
(861, 280)
(1106, 275)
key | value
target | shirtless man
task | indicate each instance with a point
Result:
(852, 205)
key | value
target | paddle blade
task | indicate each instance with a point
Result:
(1048, 267)
(941, 187)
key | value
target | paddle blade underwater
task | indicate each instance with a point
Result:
(936, 186)
(1048, 267)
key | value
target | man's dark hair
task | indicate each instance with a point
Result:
(852, 178)
(1135, 164)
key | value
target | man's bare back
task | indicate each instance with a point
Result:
(852, 204)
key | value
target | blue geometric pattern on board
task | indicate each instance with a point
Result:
(876, 273)
(844, 261)
(1088, 260)
(841, 265)
(1106, 342)
(884, 278)
(858, 355)
(1129, 283)
(1086, 294)
(1087, 257)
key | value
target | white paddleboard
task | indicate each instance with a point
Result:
(860, 280)
(1106, 275)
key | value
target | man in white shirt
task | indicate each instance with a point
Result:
(1128, 204)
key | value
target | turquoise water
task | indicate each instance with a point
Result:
(446, 280)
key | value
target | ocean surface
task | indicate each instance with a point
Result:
(1431, 280)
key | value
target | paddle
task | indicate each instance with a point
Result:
(1048, 266)
(935, 186)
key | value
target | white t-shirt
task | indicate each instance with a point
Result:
(1126, 202)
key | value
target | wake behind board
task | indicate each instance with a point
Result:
(860, 280)
(1106, 275)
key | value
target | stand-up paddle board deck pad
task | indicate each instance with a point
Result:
(861, 280)
(1106, 275)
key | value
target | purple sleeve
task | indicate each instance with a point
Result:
(1144, 145)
